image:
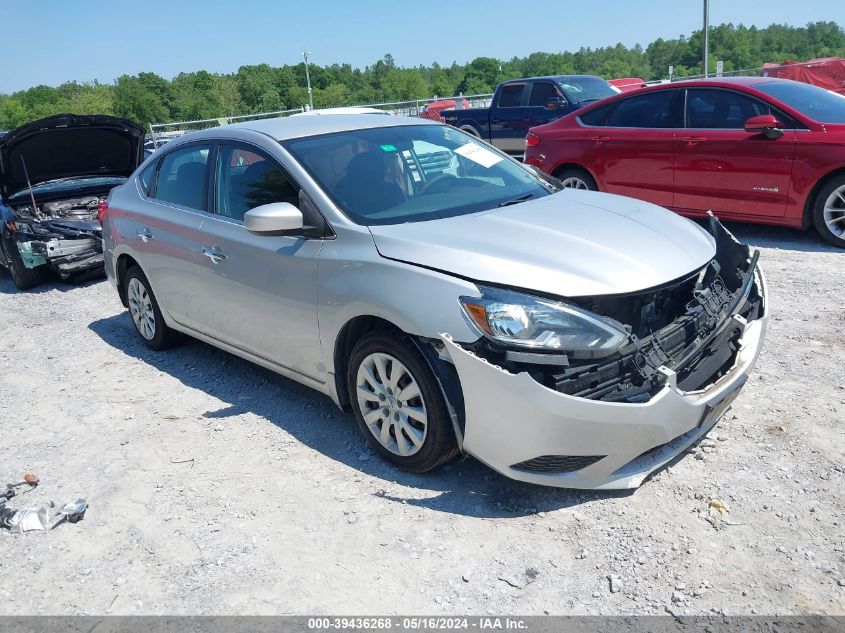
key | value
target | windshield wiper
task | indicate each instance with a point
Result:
(515, 200)
(590, 100)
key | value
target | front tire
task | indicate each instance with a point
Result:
(145, 313)
(576, 178)
(398, 404)
(24, 278)
(829, 212)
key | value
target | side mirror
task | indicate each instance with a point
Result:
(277, 218)
(765, 124)
(555, 103)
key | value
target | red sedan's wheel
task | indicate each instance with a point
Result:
(829, 212)
(574, 178)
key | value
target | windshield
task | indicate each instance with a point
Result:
(585, 89)
(70, 184)
(391, 175)
(816, 103)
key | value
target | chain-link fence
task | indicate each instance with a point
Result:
(831, 67)
(160, 133)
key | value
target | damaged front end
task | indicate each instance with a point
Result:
(62, 235)
(607, 418)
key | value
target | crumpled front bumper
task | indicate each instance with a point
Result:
(511, 419)
(66, 254)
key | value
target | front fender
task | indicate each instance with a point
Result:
(418, 301)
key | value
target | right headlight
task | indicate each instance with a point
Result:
(522, 320)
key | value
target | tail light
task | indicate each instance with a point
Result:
(101, 211)
(532, 140)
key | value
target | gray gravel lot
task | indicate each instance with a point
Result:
(283, 509)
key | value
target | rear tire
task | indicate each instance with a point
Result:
(145, 313)
(829, 212)
(398, 404)
(24, 278)
(576, 178)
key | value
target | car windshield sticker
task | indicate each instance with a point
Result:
(478, 154)
(388, 148)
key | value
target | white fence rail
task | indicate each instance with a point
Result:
(763, 71)
(162, 132)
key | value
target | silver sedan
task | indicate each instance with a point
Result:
(451, 298)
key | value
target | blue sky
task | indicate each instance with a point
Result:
(52, 41)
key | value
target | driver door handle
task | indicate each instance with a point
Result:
(694, 139)
(213, 254)
(144, 234)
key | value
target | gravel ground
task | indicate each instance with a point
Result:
(216, 487)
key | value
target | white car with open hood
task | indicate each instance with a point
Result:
(451, 298)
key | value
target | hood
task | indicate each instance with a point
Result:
(570, 244)
(67, 146)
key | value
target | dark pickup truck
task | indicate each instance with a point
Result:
(520, 104)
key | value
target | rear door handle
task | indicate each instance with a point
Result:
(600, 138)
(145, 234)
(213, 254)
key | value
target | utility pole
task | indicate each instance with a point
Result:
(706, 37)
(305, 54)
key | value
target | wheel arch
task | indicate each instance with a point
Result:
(351, 332)
(810, 201)
(445, 374)
(469, 127)
(124, 263)
(558, 169)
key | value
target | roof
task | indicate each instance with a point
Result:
(552, 78)
(727, 81)
(343, 110)
(284, 128)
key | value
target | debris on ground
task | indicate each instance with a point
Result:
(521, 581)
(38, 518)
(717, 504)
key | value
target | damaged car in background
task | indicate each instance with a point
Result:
(451, 298)
(54, 175)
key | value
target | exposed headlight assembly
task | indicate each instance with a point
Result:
(26, 227)
(536, 323)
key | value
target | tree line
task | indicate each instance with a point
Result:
(149, 98)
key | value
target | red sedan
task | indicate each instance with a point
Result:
(751, 149)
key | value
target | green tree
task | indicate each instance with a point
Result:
(133, 100)
(149, 98)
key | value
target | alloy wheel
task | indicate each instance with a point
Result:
(573, 182)
(834, 212)
(391, 404)
(141, 308)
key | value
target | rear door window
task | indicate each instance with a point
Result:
(511, 95)
(182, 177)
(596, 117)
(651, 110)
(146, 177)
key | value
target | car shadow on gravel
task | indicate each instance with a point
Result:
(761, 235)
(7, 286)
(465, 487)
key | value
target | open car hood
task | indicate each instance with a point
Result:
(570, 244)
(67, 146)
